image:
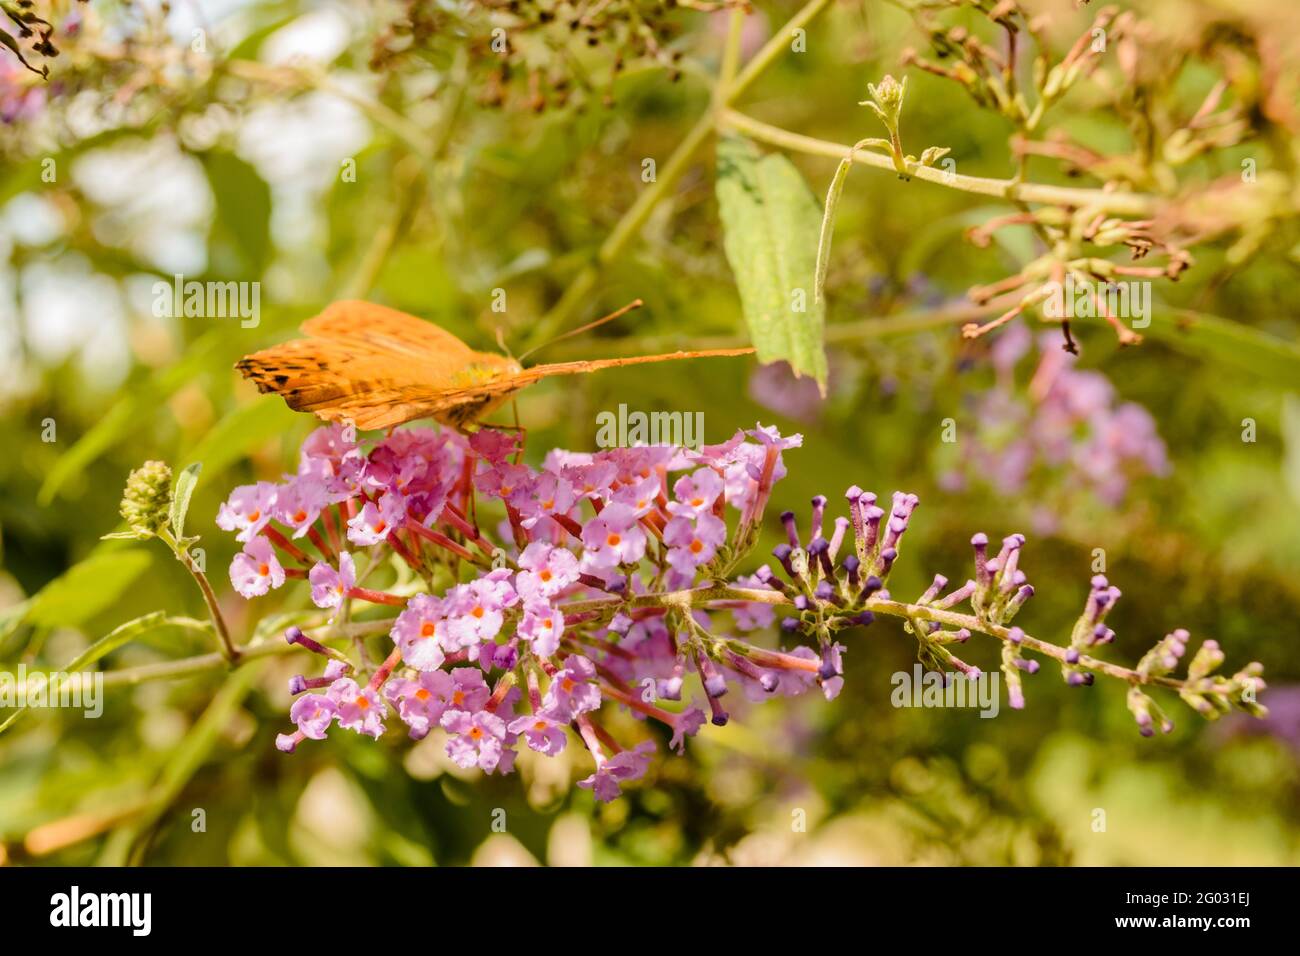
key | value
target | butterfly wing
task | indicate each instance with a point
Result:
(376, 326)
(378, 367)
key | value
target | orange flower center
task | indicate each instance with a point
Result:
(475, 733)
(379, 526)
(477, 612)
(548, 504)
(263, 569)
(697, 546)
(427, 629)
(421, 694)
(696, 502)
(362, 703)
(567, 685)
(458, 697)
(613, 540)
(299, 515)
(254, 515)
(545, 575)
(540, 725)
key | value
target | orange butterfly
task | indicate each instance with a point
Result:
(378, 367)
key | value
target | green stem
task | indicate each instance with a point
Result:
(634, 219)
(885, 326)
(698, 597)
(1133, 204)
(228, 648)
(680, 600)
(190, 666)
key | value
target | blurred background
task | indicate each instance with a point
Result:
(384, 150)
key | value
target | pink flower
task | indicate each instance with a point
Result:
(691, 546)
(624, 766)
(547, 571)
(639, 462)
(769, 436)
(330, 454)
(639, 495)
(468, 691)
(330, 587)
(299, 503)
(420, 703)
(372, 524)
(415, 631)
(474, 612)
(479, 739)
(358, 708)
(545, 494)
(248, 509)
(256, 570)
(544, 734)
(696, 493)
(313, 714)
(591, 479)
(541, 628)
(494, 445)
(571, 692)
(505, 481)
(612, 538)
(687, 724)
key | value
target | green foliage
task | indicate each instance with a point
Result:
(770, 227)
(502, 193)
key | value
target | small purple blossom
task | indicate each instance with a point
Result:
(572, 692)
(416, 632)
(329, 586)
(357, 708)
(256, 569)
(479, 738)
(542, 732)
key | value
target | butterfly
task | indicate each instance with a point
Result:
(377, 367)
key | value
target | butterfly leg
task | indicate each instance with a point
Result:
(516, 427)
(523, 432)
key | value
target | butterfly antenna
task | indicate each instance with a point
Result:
(617, 314)
(501, 343)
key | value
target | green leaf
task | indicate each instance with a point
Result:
(87, 588)
(1263, 356)
(243, 208)
(828, 225)
(105, 646)
(771, 226)
(184, 490)
(185, 760)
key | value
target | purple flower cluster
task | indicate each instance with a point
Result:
(553, 616)
(607, 590)
(1069, 423)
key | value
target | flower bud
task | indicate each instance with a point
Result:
(147, 500)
